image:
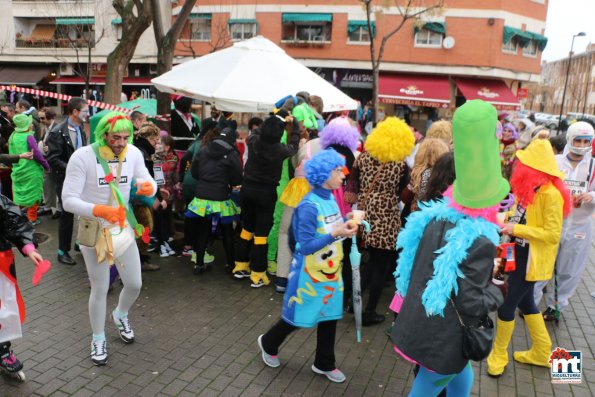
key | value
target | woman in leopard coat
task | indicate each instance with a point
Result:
(377, 179)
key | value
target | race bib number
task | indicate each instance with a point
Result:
(576, 187)
(159, 176)
(113, 166)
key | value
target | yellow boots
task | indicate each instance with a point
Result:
(539, 354)
(498, 358)
(241, 270)
(259, 279)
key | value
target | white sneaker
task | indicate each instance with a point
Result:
(99, 352)
(334, 376)
(170, 250)
(163, 251)
(270, 360)
(124, 328)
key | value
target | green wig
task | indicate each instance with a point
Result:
(113, 122)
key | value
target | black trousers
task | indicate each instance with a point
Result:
(346, 270)
(325, 342)
(66, 223)
(374, 274)
(161, 224)
(258, 207)
(202, 234)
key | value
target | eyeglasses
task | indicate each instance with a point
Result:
(338, 170)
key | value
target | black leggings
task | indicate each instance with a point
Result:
(202, 232)
(374, 274)
(161, 224)
(325, 342)
(520, 291)
(258, 207)
(346, 271)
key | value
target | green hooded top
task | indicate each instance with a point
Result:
(27, 175)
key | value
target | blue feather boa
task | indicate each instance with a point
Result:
(446, 265)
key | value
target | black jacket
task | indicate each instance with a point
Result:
(436, 342)
(217, 168)
(16, 228)
(179, 129)
(60, 148)
(147, 151)
(265, 161)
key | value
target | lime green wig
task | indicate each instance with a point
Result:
(113, 122)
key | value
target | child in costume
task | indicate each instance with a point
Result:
(27, 176)
(258, 196)
(217, 168)
(445, 268)
(314, 295)
(167, 160)
(15, 229)
(97, 188)
(508, 148)
(535, 222)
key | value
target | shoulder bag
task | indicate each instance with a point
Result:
(477, 340)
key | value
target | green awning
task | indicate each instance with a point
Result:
(540, 40)
(436, 27)
(521, 37)
(75, 21)
(201, 16)
(241, 21)
(300, 17)
(352, 26)
(117, 21)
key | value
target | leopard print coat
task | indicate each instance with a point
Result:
(382, 202)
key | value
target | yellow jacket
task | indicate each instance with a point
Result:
(543, 230)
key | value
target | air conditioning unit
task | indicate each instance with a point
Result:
(66, 69)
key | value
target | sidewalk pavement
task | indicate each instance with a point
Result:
(196, 336)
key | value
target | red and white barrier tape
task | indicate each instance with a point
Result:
(64, 97)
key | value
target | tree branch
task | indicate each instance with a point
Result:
(157, 21)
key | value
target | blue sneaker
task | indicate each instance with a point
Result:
(281, 284)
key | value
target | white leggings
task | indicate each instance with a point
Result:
(128, 267)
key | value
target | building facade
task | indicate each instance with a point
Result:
(546, 96)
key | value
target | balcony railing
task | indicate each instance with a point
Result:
(53, 43)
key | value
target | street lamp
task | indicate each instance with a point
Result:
(580, 34)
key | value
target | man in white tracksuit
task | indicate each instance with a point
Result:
(578, 165)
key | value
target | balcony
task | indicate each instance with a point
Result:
(306, 30)
(59, 33)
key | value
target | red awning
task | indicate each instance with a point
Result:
(76, 80)
(416, 90)
(495, 92)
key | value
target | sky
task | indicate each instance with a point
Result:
(566, 18)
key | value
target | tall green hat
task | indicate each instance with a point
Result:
(479, 182)
(22, 122)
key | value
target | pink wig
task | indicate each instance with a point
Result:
(489, 214)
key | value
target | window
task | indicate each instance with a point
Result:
(427, 38)
(200, 29)
(306, 28)
(310, 32)
(530, 49)
(242, 31)
(510, 47)
(360, 35)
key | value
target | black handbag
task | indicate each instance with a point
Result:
(477, 340)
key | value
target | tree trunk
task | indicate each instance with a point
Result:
(165, 60)
(375, 79)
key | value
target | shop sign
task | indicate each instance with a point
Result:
(486, 93)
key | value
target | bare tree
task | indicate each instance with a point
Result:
(408, 10)
(166, 43)
(136, 18)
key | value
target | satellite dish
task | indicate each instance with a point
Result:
(448, 42)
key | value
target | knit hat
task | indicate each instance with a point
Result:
(319, 167)
(539, 155)
(339, 132)
(272, 128)
(229, 135)
(479, 182)
(391, 140)
(22, 122)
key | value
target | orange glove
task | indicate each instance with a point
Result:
(110, 214)
(145, 189)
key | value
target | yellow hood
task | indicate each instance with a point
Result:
(539, 155)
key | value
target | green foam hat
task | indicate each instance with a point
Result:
(22, 122)
(479, 182)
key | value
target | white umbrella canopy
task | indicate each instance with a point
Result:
(250, 76)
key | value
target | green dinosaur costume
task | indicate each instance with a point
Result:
(27, 175)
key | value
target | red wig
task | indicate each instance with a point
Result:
(525, 181)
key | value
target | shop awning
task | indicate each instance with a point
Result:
(240, 21)
(117, 21)
(493, 91)
(301, 17)
(540, 40)
(76, 80)
(75, 21)
(415, 90)
(436, 27)
(352, 26)
(22, 75)
(43, 32)
(201, 16)
(521, 37)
